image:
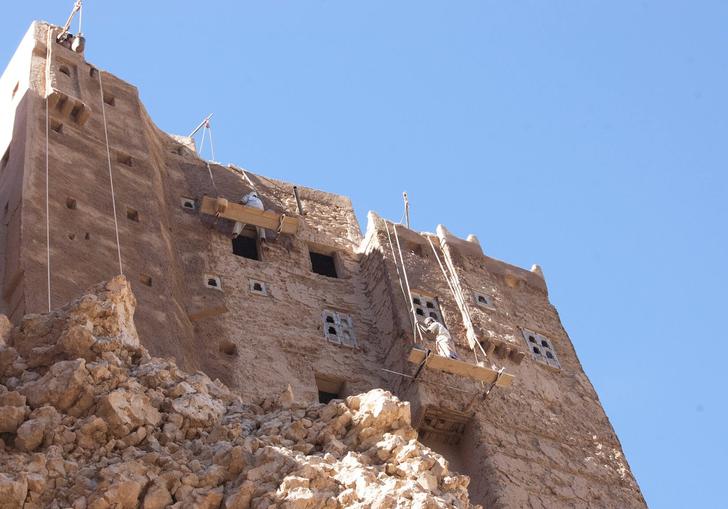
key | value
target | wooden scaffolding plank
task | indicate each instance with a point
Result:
(267, 219)
(461, 368)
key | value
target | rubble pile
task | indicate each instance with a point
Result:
(88, 419)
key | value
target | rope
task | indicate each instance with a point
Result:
(406, 282)
(111, 176)
(460, 300)
(49, 50)
(396, 266)
(212, 147)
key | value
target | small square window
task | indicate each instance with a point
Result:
(257, 287)
(145, 279)
(109, 99)
(246, 245)
(339, 328)
(56, 126)
(77, 113)
(427, 307)
(64, 69)
(132, 214)
(541, 348)
(92, 72)
(484, 301)
(213, 282)
(323, 264)
(187, 203)
(71, 203)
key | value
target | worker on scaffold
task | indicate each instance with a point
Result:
(250, 200)
(443, 339)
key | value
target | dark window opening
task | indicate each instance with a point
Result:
(125, 159)
(482, 299)
(87, 236)
(330, 319)
(76, 113)
(61, 104)
(56, 126)
(417, 301)
(257, 287)
(71, 203)
(92, 72)
(430, 305)
(544, 343)
(132, 215)
(531, 339)
(324, 397)
(536, 350)
(549, 355)
(247, 247)
(420, 312)
(65, 70)
(110, 100)
(145, 279)
(188, 203)
(329, 388)
(433, 315)
(323, 264)
(71, 236)
(212, 282)
(332, 331)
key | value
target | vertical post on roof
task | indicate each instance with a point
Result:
(406, 208)
(298, 201)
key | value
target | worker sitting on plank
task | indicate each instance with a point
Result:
(250, 200)
(443, 340)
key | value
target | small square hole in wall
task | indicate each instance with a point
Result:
(109, 99)
(213, 282)
(64, 69)
(258, 287)
(132, 214)
(15, 89)
(76, 113)
(71, 203)
(484, 301)
(87, 236)
(56, 126)
(145, 279)
(187, 203)
(329, 388)
(228, 348)
(92, 72)
(245, 245)
(125, 159)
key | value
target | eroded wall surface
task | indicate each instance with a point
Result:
(544, 442)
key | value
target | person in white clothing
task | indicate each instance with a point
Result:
(250, 200)
(443, 339)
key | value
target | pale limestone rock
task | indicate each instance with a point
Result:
(66, 387)
(199, 409)
(30, 435)
(125, 411)
(5, 328)
(157, 497)
(11, 417)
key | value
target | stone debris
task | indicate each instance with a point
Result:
(89, 420)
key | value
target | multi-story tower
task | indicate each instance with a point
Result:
(318, 306)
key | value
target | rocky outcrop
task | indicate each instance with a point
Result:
(89, 420)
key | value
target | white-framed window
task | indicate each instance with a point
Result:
(427, 307)
(541, 348)
(484, 301)
(339, 328)
(257, 287)
(187, 203)
(212, 281)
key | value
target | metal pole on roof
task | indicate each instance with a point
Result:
(406, 208)
(202, 124)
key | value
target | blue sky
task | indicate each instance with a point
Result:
(590, 137)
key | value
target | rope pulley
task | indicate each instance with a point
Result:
(76, 43)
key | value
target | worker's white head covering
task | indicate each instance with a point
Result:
(429, 320)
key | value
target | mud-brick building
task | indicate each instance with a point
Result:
(319, 305)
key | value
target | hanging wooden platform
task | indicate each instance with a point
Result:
(461, 368)
(267, 219)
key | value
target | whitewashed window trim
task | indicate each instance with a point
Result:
(541, 348)
(339, 328)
